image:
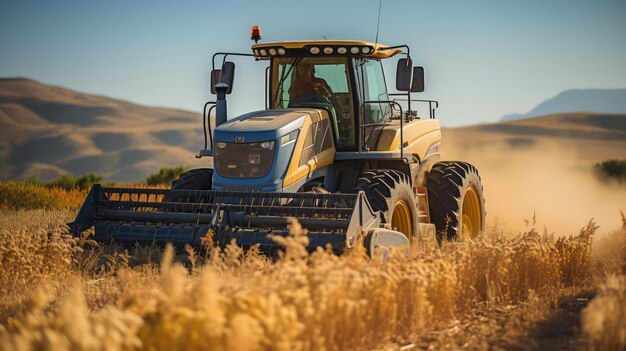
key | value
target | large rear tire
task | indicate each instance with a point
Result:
(195, 179)
(456, 201)
(389, 191)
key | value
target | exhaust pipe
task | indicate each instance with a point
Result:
(220, 105)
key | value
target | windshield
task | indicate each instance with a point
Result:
(318, 82)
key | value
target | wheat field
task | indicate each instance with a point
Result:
(63, 293)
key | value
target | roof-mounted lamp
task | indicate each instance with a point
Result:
(255, 33)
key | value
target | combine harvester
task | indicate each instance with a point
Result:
(332, 149)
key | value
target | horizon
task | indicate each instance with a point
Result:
(502, 119)
(157, 53)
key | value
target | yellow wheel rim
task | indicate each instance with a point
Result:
(401, 219)
(471, 214)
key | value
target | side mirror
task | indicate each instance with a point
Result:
(417, 86)
(225, 75)
(215, 78)
(404, 74)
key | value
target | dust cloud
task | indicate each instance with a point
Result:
(546, 180)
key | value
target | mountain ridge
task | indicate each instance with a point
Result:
(59, 130)
(577, 100)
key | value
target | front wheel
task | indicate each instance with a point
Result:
(389, 191)
(456, 201)
(195, 179)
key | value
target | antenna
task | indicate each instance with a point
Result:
(380, 5)
(323, 36)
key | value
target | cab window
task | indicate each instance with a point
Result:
(375, 89)
(317, 82)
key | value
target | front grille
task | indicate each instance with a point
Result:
(243, 160)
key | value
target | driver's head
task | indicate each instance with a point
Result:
(305, 71)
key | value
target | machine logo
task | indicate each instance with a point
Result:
(239, 139)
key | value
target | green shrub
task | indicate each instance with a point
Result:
(69, 182)
(611, 169)
(165, 176)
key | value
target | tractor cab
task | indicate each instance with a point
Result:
(345, 78)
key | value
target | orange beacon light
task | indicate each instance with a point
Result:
(255, 33)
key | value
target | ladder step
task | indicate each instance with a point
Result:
(422, 203)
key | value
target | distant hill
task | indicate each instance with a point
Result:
(47, 130)
(578, 100)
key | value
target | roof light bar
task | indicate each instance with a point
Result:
(334, 50)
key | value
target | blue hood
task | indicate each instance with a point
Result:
(263, 125)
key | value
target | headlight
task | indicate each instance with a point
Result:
(287, 138)
(263, 52)
(365, 50)
(281, 51)
(355, 50)
(342, 50)
(220, 145)
(328, 50)
(273, 52)
(314, 50)
(268, 145)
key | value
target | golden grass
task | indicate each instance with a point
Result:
(604, 319)
(21, 195)
(59, 292)
(17, 195)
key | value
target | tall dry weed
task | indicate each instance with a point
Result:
(231, 300)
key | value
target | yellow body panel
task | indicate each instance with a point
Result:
(295, 172)
(419, 136)
(377, 53)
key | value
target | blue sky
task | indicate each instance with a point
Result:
(483, 59)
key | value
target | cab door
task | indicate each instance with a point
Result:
(374, 88)
(374, 109)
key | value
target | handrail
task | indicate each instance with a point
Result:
(363, 126)
(430, 103)
(206, 117)
(408, 56)
(226, 54)
(267, 95)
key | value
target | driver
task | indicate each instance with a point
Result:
(304, 82)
